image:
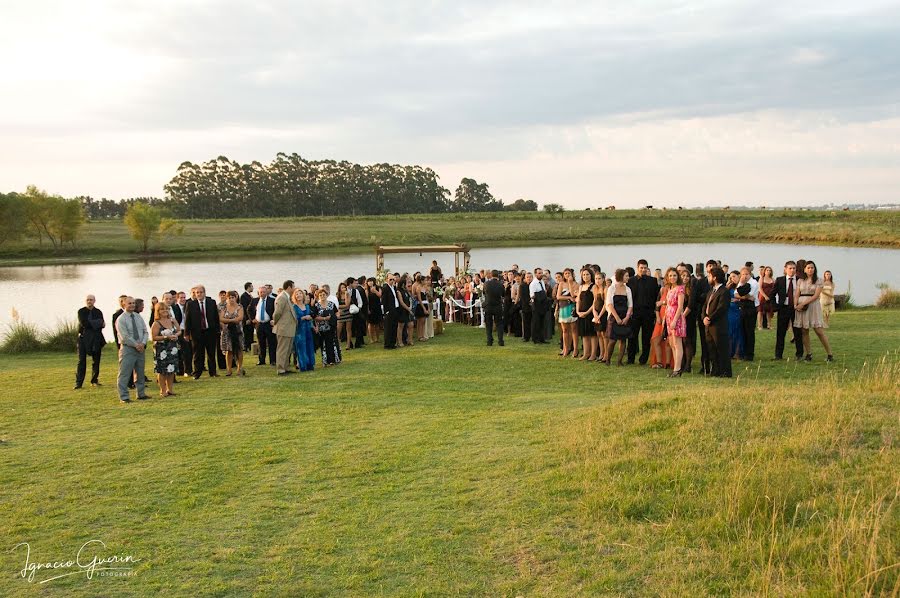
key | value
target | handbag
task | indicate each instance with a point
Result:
(621, 330)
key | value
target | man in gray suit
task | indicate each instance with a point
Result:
(133, 338)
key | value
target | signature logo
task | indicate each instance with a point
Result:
(91, 560)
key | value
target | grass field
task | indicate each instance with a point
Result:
(111, 240)
(456, 469)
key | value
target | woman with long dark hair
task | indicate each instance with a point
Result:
(565, 301)
(675, 321)
(584, 309)
(375, 315)
(619, 305)
(808, 310)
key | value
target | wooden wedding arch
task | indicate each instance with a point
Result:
(456, 250)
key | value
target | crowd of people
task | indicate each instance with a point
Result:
(652, 318)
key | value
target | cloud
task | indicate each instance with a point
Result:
(476, 83)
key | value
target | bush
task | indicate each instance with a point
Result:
(63, 338)
(888, 298)
(21, 337)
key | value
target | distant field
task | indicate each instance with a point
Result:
(111, 241)
(454, 469)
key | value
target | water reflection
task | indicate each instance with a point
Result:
(44, 294)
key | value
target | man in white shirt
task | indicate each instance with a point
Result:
(540, 307)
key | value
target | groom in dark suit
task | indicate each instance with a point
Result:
(783, 296)
(201, 327)
(492, 305)
(715, 318)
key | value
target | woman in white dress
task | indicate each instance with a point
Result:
(808, 310)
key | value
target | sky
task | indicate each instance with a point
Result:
(585, 104)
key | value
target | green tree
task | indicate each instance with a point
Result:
(472, 196)
(12, 217)
(146, 222)
(554, 208)
(522, 205)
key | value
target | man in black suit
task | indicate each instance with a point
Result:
(391, 305)
(644, 295)
(525, 305)
(699, 293)
(201, 327)
(540, 307)
(492, 306)
(90, 341)
(783, 296)
(187, 355)
(115, 317)
(245, 300)
(261, 310)
(715, 318)
(358, 323)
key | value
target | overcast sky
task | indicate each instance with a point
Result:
(583, 104)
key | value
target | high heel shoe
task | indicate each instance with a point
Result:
(829, 359)
(674, 374)
(808, 357)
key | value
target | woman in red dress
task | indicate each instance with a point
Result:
(675, 322)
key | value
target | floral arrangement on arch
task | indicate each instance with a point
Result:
(381, 276)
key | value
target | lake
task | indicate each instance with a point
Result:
(46, 294)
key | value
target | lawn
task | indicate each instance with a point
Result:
(452, 468)
(110, 240)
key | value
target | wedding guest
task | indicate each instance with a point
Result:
(359, 314)
(324, 314)
(133, 338)
(429, 309)
(660, 351)
(525, 305)
(784, 297)
(375, 315)
(492, 305)
(220, 355)
(303, 341)
(90, 341)
(421, 306)
(676, 324)
(201, 327)
(247, 324)
(701, 290)
(231, 343)
(584, 310)
(766, 310)
(645, 293)
(550, 321)
(600, 315)
(566, 294)
(540, 307)
(284, 324)
(153, 301)
(184, 345)
(809, 311)
(826, 298)
(407, 316)
(115, 317)
(715, 320)
(735, 330)
(164, 333)
(690, 319)
(620, 307)
(747, 297)
(262, 309)
(390, 301)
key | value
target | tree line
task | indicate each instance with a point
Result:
(38, 214)
(291, 185)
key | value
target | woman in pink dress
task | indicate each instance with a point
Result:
(675, 322)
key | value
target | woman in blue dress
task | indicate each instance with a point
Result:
(735, 331)
(303, 339)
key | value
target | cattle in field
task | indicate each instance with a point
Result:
(610, 208)
(648, 207)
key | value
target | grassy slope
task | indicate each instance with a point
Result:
(110, 240)
(454, 469)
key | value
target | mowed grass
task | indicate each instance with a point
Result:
(110, 240)
(452, 468)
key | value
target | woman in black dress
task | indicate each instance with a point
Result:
(324, 314)
(619, 305)
(421, 305)
(584, 310)
(600, 316)
(404, 317)
(375, 316)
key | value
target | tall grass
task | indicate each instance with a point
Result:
(21, 337)
(789, 491)
(889, 297)
(62, 338)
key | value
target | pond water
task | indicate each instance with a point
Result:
(46, 294)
